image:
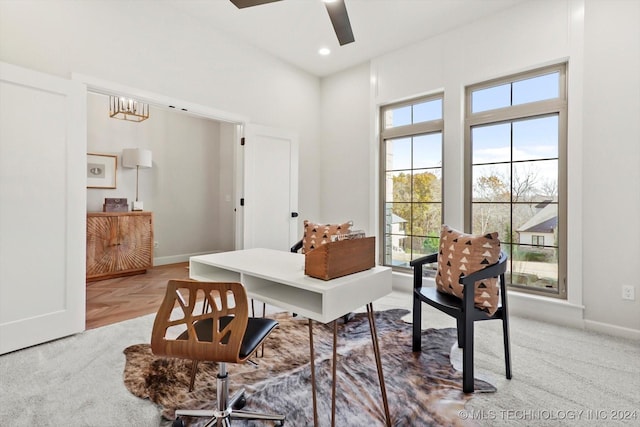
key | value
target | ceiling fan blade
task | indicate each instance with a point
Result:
(340, 20)
(241, 4)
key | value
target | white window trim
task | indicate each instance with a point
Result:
(540, 108)
(431, 126)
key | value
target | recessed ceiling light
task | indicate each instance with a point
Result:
(324, 51)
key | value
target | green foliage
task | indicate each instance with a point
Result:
(534, 254)
(414, 197)
(430, 246)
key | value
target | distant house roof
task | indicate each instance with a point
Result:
(544, 227)
(543, 204)
(395, 219)
(545, 221)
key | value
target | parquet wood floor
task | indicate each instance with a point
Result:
(123, 298)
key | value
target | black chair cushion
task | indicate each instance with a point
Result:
(452, 305)
(257, 330)
(446, 302)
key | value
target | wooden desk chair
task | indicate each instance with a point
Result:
(463, 310)
(221, 332)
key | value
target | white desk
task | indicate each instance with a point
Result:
(277, 278)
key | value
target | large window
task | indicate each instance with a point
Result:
(516, 152)
(411, 138)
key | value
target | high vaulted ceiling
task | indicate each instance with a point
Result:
(294, 30)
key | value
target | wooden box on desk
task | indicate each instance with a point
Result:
(337, 259)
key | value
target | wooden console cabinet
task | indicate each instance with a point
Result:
(118, 244)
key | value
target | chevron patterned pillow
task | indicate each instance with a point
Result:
(462, 254)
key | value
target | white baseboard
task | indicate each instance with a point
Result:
(618, 331)
(402, 282)
(551, 310)
(174, 259)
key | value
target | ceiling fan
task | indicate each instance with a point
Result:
(337, 13)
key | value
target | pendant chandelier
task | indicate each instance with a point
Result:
(128, 109)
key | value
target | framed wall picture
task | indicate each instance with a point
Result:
(101, 170)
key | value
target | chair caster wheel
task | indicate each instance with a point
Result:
(240, 403)
(177, 423)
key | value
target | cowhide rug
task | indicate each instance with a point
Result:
(423, 389)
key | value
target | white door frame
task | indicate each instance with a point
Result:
(242, 122)
(110, 88)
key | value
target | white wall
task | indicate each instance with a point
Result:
(527, 36)
(611, 141)
(345, 149)
(155, 47)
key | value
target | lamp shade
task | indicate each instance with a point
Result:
(136, 157)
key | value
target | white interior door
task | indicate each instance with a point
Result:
(270, 188)
(42, 207)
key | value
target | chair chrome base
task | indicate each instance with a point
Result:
(225, 412)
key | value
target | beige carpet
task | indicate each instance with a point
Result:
(77, 381)
(561, 376)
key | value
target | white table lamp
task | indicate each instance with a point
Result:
(136, 158)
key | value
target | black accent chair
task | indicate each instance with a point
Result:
(464, 311)
(295, 248)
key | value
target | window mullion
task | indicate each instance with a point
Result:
(539, 108)
(417, 128)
